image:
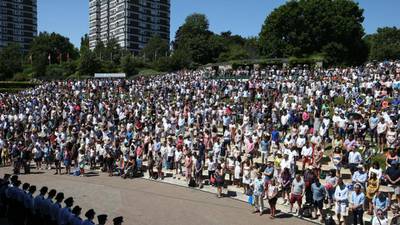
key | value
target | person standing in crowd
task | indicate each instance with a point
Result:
(380, 218)
(297, 193)
(74, 218)
(342, 201)
(257, 185)
(319, 193)
(357, 200)
(272, 196)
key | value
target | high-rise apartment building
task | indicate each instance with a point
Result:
(18, 22)
(131, 22)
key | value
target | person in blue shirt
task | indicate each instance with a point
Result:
(264, 145)
(357, 200)
(380, 202)
(74, 218)
(90, 216)
(360, 176)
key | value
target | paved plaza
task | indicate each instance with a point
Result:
(146, 202)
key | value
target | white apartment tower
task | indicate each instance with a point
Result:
(131, 22)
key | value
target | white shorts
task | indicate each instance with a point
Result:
(341, 208)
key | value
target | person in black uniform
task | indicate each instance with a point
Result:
(102, 219)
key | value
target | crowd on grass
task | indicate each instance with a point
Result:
(287, 134)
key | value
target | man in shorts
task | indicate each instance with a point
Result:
(342, 201)
(297, 193)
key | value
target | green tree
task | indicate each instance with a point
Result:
(84, 43)
(58, 47)
(306, 27)
(88, 63)
(128, 65)
(195, 39)
(155, 48)
(384, 44)
(10, 61)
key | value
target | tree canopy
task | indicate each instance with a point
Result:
(10, 61)
(306, 27)
(385, 44)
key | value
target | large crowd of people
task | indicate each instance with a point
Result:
(283, 133)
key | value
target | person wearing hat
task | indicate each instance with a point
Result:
(28, 204)
(65, 213)
(74, 218)
(55, 208)
(90, 216)
(39, 203)
(47, 203)
(23, 195)
(102, 219)
(118, 220)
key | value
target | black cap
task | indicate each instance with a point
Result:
(69, 200)
(59, 196)
(90, 213)
(102, 218)
(32, 189)
(25, 186)
(76, 210)
(52, 193)
(44, 190)
(118, 220)
(14, 178)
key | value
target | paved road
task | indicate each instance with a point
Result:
(146, 202)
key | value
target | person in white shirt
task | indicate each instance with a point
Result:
(300, 142)
(306, 154)
(380, 218)
(381, 130)
(341, 198)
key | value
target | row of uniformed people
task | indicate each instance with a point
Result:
(22, 208)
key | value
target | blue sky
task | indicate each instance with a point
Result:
(244, 17)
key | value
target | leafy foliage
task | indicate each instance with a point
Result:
(305, 27)
(385, 44)
(10, 61)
